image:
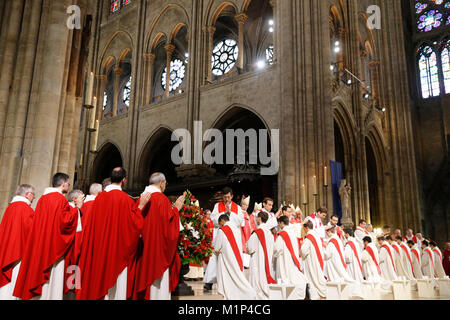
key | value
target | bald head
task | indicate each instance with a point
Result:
(95, 189)
(118, 176)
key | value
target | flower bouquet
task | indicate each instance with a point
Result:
(195, 243)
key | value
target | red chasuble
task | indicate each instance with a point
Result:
(262, 240)
(110, 240)
(14, 231)
(160, 239)
(52, 233)
(232, 240)
(288, 242)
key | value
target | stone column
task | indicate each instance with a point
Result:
(241, 18)
(101, 80)
(373, 67)
(210, 38)
(117, 72)
(170, 48)
(149, 63)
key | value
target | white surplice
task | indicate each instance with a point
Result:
(369, 264)
(387, 265)
(285, 267)
(335, 269)
(231, 281)
(313, 270)
(405, 266)
(354, 268)
(257, 270)
(360, 234)
(416, 257)
(439, 271)
(428, 263)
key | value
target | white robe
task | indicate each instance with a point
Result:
(335, 270)
(257, 270)
(231, 281)
(428, 263)
(387, 264)
(404, 266)
(439, 271)
(353, 267)
(53, 289)
(417, 263)
(6, 292)
(370, 270)
(272, 222)
(397, 255)
(238, 221)
(313, 270)
(286, 269)
(119, 290)
(319, 228)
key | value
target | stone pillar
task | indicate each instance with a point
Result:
(7, 63)
(149, 59)
(210, 38)
(117, 72)
(373, 67)
(241, 18)
(170, 48)
(101, 80)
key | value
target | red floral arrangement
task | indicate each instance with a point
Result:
(195, 243)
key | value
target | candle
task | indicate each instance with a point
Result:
(89, 89)
(304, 199)
(325, 176)
(94, 143)
(93, 115)
(81, 160)
(315, 185)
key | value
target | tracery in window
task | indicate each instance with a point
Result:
(445, 59)
(177, 74)
(269, 55)
(429, 72)
(224, 57)
(127, 93)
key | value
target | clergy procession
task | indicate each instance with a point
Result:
(108, 246)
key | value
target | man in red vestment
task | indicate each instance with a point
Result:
(158, 265)
(52, 233)
(246, 230)
(14, 231)
(110, 241)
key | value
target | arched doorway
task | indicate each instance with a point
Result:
(372, 180)
(107, 159)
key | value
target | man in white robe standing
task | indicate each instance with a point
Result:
(313, 260)
(416, 259)
(427, 260)
(236, 215)
(439, 271)
(231, 281)
(352, 253)
(316, 220)
(260, 248)
(387, 263)
(405, 266)
(272, 223)
(286, 253)
(371, 261)
(361, 232)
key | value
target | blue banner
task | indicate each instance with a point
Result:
(336, 177)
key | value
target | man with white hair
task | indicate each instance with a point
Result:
(14, 230)
(410, 236)
(94, 190)
(157, 268)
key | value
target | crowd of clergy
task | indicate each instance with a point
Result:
(109, 246)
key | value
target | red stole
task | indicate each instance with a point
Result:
(372, 254)
(287, 241)
(262, 240)
(431, 256)
(408, 255)
(355, 252)
(438, 252)
(339, 232)
(396, 248)
(314, 219)
(232, 240)
(416, 253)
(413, 238)
(336, 244)
(234, 207)
(316, 246)
(390, 254)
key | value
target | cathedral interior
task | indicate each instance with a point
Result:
(87, 86)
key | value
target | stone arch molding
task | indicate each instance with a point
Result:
(106, 144)
(215, 7)
(115, 50)
(167, 23)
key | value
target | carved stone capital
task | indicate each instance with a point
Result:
(241, 18)
(149, 57)
(170, 48)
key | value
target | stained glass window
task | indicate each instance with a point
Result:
(445, 58)
(224, 57)
(126, 2)
(430, 20)
(115, 5)
(429, 72)
(177, 74)
(105, 100)
(269, 55)
(127, 93)
(432, 14)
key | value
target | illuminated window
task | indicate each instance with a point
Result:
(269, 55)
(105, 100)
(429, 72)
(177, 74)
(445, 58)
(224, 57)
(115, 6)
(127, 93)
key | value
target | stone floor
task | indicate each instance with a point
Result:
(201, 294)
